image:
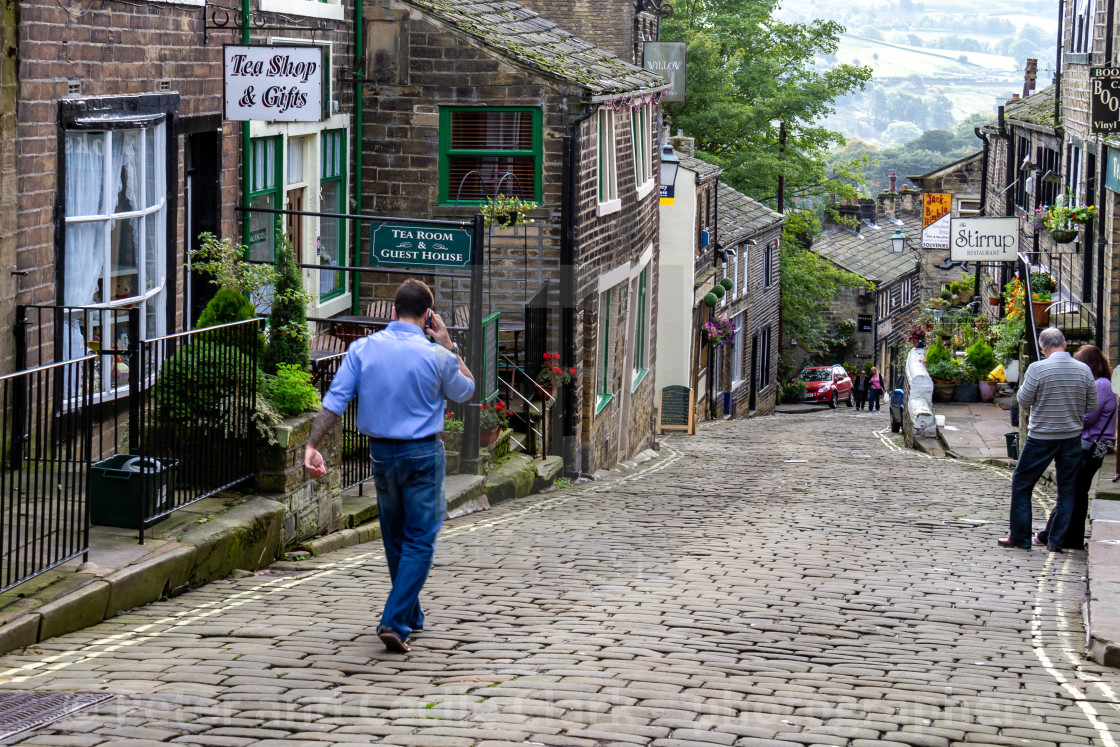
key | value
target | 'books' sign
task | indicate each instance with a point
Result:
(1104, 98)
(274, 84)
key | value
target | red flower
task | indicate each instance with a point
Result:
(572, 371)
(501, 405)
(547, 356)
(555, 369)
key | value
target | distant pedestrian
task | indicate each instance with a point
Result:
(876, 384)
(860, 387)
(1098, 438)
(1060, 391)
(401, 381)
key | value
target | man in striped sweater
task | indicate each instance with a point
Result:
(1059, 390)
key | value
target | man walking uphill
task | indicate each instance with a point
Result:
(1059, 390)
(401, 380)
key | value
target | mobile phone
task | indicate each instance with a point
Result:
(428, 320)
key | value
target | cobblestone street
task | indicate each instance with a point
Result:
(793, 580)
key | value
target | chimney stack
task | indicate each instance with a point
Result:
(1030, 75)
(892, 179)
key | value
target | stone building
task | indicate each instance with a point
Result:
(464, 93)
(749, 246)
(882, 316)
(9, 198)
(125, 156)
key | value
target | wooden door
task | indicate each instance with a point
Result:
(295, 223)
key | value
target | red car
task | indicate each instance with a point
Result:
(827, 384)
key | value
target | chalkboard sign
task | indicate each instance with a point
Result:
(490, 357)
(676, 410)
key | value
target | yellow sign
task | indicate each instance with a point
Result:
(934, 206)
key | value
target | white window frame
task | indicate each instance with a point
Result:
(737, 354)
(606, 162)
(643, 149)
(768, 264)
(1076, 166)
(1085, 13)
(106, 322)
(738, 289)
(907, 291)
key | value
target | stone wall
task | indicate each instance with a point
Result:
(608, 24)
(312, 508)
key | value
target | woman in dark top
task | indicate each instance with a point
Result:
(860, 387)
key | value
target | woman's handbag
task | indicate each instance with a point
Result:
(1100, 449)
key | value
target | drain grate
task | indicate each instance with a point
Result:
(21, 712)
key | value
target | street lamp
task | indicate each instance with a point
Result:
(669, 165)
(898, 241)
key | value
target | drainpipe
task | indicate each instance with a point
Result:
(246, 145)
(1058, 65)
(1108, 33)
(359, 105)
(1102, 306)
(568, 207)
(983, 200)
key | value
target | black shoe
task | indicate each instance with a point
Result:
(392, 641)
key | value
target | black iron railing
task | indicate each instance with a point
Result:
(44, 479)
(1030, 328)
(356, 464)
(192, 397)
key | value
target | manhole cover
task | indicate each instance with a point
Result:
(20, 712)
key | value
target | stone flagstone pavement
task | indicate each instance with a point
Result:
(794, 580)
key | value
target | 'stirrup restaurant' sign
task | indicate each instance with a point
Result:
(984, 240)
(417, 245)
(274, 84)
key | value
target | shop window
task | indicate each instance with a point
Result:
(737, 352)
(768, 265)
(332, 231)
(483, 150)
(764, 359)
(643, 153)
(641, 329)
(603, 389)
(265, 170)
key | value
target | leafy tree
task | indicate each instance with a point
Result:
(809, 282)
(901, 132)
(748, 71)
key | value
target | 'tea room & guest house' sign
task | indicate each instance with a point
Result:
(274, 83)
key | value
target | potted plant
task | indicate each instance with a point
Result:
(945, 375)
(967, 389)
(552, 375)
(492, 419)
(719, 332)
(1063, 217)
(1042, 289)
(506, 211)
(982, 361)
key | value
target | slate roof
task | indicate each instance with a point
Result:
(703, 168)
(740, 217)
(532, 42)
(870, 253)
(1037, 109)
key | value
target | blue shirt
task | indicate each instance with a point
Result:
(401, 380)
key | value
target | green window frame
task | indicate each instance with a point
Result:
(603, 394)
(606, 161)
(266, 187)
(641, 330)
(332, 196)
(491, 161)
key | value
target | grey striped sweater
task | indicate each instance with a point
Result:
(1059, 391)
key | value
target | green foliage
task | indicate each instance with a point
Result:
(291, 390)
(719, 290)
(809, 284)
(506, 211)
(196, 383)
(945, 294)
(727, 283)
(289, 341)
(711, 299)
(945, 370)
(222, 259)
(937, 353)
(792, 391)
(748, 70)
(1010, 337)
(225, 307)
(980, 358)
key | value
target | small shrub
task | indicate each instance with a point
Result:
(196, 382)
(225, 307)
(944, 370)
(450, 424)
(980, 358)
(937, 353)
(727, 283)
(289, 341)
(792, 391)
(945, 294)
(291, 390)
(710, 300)
(719, 290)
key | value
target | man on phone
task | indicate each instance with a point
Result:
(401, 380)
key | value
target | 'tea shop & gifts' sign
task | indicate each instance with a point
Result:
(274, 83)
(984, 240)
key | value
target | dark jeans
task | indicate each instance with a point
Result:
(410, 508)
(1033, 461)
(861, 398)
(1075, 533)
(875, 395)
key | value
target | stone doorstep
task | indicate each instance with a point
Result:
(1102, 612)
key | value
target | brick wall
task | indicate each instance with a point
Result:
(436, 67)
(608, 24)
(9, 92)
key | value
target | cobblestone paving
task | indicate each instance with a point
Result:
(795, 580)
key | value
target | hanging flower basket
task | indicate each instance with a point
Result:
(1063, 235)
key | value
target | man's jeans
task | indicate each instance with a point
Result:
(410, 508)
(1033, 461)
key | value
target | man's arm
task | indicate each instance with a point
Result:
(441, 336)
(312, 459)
(1028, 390)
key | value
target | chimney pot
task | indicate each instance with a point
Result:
(892, 179)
